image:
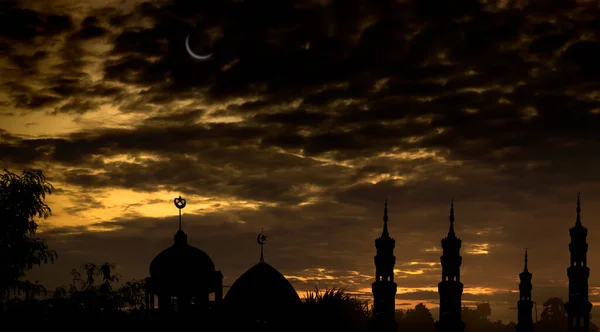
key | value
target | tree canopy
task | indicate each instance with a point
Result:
(21, 202)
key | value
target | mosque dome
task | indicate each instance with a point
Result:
(262, 294)
(183, 268)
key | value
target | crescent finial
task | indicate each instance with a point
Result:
(180, 203)
(261, 238)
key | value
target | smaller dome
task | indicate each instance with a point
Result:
(261, 293)
(183, 268)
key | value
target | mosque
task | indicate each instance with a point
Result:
(183, 278)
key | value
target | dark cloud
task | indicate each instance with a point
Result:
(138, 42)
(36, 101)
(84, 202)
(184, 117)
(28, 63)
(58, 46)
(20, 24)
(91, 31)
(90, 21)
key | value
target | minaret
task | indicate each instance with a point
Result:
(524, 305)
(450, 289)
(384, 287)
(578, 307)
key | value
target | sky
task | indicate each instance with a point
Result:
(308, 115)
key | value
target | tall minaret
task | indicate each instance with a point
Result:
(450, 289)
(578, 307)
(384, 287)
(524, 305)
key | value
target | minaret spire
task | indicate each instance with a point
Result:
(451, 231)
(385, 220)
(578, 221)
(525, 269)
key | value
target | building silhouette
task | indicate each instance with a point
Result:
(578, 307)
(450, 288)
(261, 298)
(182, 277)
(384, 288)
(525, 304)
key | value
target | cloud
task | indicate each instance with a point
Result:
(23, 24)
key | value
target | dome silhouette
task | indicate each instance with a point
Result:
(181, 267)
(262, 294)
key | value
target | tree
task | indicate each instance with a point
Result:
(554, 308)
(417, 319)
(398, 315)
(32, 289)
(86, 293)
(335, 309)
(483, 310)
(21, 201)
(554, 317)
(132, 295)
(477, 319)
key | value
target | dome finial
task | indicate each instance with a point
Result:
(261, 239)
(180, 204)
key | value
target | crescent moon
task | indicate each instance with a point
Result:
(194, 55)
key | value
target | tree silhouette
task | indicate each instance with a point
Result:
(478, 320)
(398, 315)
(483, 310)
(553, 317)
(335, 309)
(31, 290)
(554, 308)
(85, 293)
(132, 295)
(21, 201)
(419, 318)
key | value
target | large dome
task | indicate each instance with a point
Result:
(261, 293)
(183, 268)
